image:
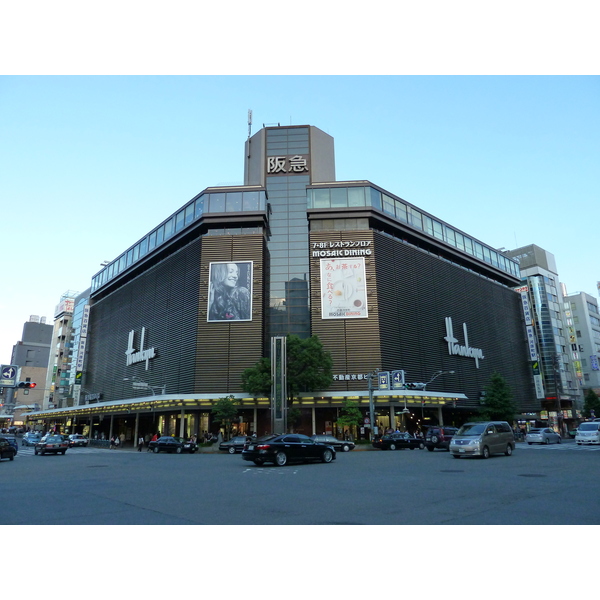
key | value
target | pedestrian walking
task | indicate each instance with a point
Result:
(112, 442)
(140, 443)
(117, 442)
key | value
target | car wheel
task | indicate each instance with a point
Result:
(392, 446)
(346, 448)
(155, 450)
(486, 452)
(258, 461)
(430, 448)
(508, 450)
(231, 450)
(558, 441)
(421, 446)
(327, 456)
(178, 450)
(280, 459)
(545, 442)
(456, 455)
(36, 452)
(434, 439)
(12, 457)
(63, 452)
(530, 443)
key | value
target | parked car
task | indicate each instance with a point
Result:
(31, 438)
(394, 441)
(166, 444)
(588, 432)
(439, 437)
(542, 435)
(76, 439)
(483, 439)
(289, 447)
(188, 445)
(235, 444)
(6, 450)
(12, 440)
(52, 444)
(343, 445)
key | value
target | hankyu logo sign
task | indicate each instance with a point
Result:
(465, 350)
(141, 355)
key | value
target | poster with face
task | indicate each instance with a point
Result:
(230, 291)
(343, 288)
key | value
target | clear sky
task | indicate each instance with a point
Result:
(91, 163)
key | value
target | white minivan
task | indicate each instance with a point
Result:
(588, 433)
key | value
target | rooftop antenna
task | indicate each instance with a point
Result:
(249, 123)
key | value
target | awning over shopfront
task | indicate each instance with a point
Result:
(168, 402)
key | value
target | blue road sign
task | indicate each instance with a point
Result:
(8, 375)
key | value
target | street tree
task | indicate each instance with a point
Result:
(224, 413)
(256, 380)
(350, 415)
(499, 405)
(309, 366)
(591, 404)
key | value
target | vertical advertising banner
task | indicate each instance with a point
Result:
(230, 291)
(343, 288)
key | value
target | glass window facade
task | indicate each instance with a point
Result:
(356, 196)
(233, 201)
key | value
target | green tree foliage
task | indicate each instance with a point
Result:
(309, 366)
(293, 417)
(591, 403)
(256, 380)
(499, 405)
(350, 415)
(224, 412)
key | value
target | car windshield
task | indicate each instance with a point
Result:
(535, 430)
(589, 426)
(54, 438)
(472, 429)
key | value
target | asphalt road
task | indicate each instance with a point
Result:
(550, 485)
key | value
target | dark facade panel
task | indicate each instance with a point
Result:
(410, 294)
(164, 301)
(224, 350)
(417, 292)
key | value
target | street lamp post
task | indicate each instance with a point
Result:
(435, 375)
(138, 384)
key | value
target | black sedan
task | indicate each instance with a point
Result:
(235, 444)
(6, 450)
(188, 445)
(393, 441)
(166, 444)
(290, 447)
(52, 444)
(343, 445)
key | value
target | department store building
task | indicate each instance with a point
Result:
(382, 283)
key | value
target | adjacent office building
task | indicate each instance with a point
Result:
(583, 329)
(177, 317)
(558, 388)
(30, 355)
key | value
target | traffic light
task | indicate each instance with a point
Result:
(26, 384)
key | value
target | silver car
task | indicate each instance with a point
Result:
(542, 435)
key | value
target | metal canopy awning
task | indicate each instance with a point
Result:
(166, 402)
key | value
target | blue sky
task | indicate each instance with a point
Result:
(91, 163)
